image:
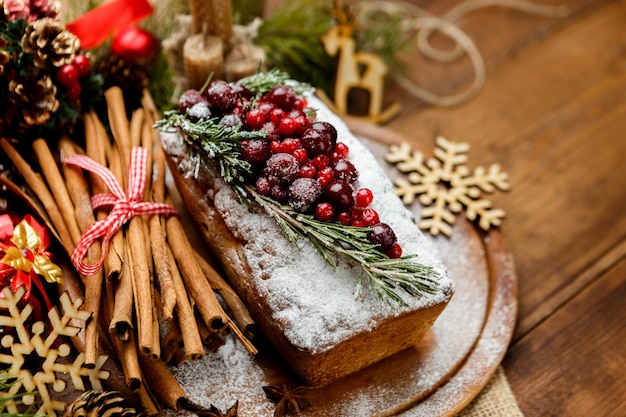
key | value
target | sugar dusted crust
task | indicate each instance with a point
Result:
(305, 306)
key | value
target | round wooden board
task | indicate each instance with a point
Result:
(438, 377)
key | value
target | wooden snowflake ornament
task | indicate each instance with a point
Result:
(445, 185)
(37, 355)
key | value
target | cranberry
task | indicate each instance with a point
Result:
(301, 155)
(320, 162)
(344, 218)
(304, 194)
(67, 76)
(255, 151)
(276, 146)
(325, 176)
(199, 111)
(307, 171)
(364, 197)
(276, 115)
(328, 129)
(220, 96)
(255, 119)
(340, 194)
(289, 145)
(283, 96)
(369, 217)
(282, 168)
(188, 99)
(266, 107)
(287, 126)
(316, 142)
(383, 235)
(342, 149)
(324, 211)
(302, 124)
(264, 186)
(300, 103)
(345, 170)
(395, 252)
(82, 65)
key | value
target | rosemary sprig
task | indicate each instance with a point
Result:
(381, 274)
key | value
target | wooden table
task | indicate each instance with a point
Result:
(553, 114)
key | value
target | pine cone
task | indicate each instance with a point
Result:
(99, 403)
(36, 96)
(131, 77)
(51, 44)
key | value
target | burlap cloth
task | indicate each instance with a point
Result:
(495, 400)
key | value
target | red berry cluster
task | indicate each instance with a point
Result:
(299, 161)
(69, 76)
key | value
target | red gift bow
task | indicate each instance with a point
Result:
(124, 208)
(95, 26)
(25, 257)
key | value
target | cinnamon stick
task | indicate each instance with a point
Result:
(116, 252)
(238, 309)
(184, 312)
(199, 289)
(162, 383)
(36, 183)
(122, 304)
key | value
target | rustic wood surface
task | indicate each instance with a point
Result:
(553, 114)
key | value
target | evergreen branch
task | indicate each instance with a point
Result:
(383, 275)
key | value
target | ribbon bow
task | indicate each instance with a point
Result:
(25, 256)
(124, 208)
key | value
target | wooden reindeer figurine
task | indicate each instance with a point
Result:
(355, 69)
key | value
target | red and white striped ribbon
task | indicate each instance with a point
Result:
(123, 207)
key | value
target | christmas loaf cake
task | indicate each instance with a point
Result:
(269, 222)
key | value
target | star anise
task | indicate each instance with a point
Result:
(289, 400)
(213, 411)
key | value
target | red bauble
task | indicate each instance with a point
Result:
(133, 44)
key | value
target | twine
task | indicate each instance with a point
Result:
(422, 24)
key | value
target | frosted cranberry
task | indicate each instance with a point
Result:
(241, 104)
(199, 111)
(255, 119)
(241, 90)
(342, 148)
(255, 151)
(307, 171)
(283, 96)
(345, 170)
(316, 142)
(263, 186)
(325, 176)
(294, 114)
(276, 115)
(364, 197)
(231, 120)
(328, 129)
(266, 107)
(271, 130)
(289, 145)
(188, 99)
(324, 211)
(301, 155)
(279, 192)
(370, 217)
(395, 251)
(287, 126)
(383, 235)
(67, 75)
(304, 194)
(340, 194)
(320, 162)
(74, 91)
(282, 168)
(220, 96)
(82, 65)
(344, 218)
